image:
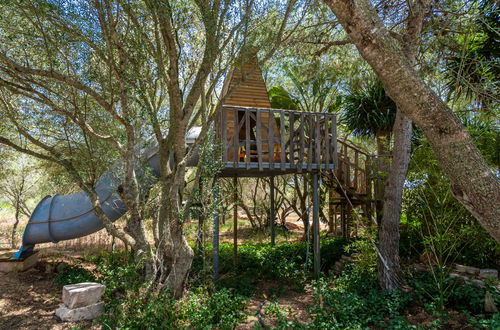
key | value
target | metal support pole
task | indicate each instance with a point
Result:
(235, 219)
(216, 230)
(272, 214)
(316, 246)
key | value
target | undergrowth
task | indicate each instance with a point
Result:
(351, 300)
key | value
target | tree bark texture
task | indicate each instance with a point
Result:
(473, 182)
(389, 268)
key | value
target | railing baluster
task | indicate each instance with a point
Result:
(282, 140)
(271, 139)
(247, 137)
(334, 147)
(327, 142)
(258, 114)
(319, 139)
(302, 143)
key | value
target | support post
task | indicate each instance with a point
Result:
(272, 214)
(235, 219)
(216, 230)
(316, 246)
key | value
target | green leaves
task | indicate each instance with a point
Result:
(368, 111)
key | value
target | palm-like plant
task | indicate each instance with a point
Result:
(370, 112)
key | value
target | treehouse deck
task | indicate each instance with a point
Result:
(268, 142)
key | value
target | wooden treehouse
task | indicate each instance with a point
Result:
(257, 140)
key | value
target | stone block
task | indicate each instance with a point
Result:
(8, 264)
(82, 294)
(458, 276)
(79, 314)
(488, 273)
(467, 269)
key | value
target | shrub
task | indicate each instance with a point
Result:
(140, 312)
(285, 262)
(220, 309)
(466, 297)
(70, 274)
(354, 301)
(129, 306)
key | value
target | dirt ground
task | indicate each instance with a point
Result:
(28, 300)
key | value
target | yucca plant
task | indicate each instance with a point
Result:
(370, 112)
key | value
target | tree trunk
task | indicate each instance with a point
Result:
(14, 227)
(473, 182)
(180, 264)
(388, 265)
(383, 166)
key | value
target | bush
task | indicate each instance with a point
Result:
(354, 301)
(466, 297)
(285, 262)
(220, 309)
(140, 312)
(129, 306)
(72, 274)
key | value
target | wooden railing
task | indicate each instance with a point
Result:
(277, 139)
(354, 169)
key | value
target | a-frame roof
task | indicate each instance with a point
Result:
(245, 86)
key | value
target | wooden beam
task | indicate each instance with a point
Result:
(271, 138)
(258, 114)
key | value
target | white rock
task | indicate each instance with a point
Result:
(78, 314)
(455, 275)
(488, 273)
(467, 269)
(82, 294)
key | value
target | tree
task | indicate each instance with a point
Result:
(388, 263)
(111, 74)
(17, 185)
(473, 182)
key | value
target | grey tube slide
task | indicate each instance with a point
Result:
(62, 217)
